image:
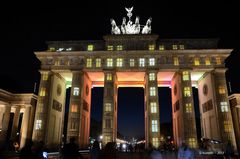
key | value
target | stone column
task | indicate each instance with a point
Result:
(15, 122)
(42, 109)
(152, 119)
(235, 117)
(79, 109)
(109, 120)
(184, 124)
(25, 126)
(223, 107)
(5, 122)
(50, 110)
(216, 117)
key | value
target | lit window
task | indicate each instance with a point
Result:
(224, 106)
(119, 47)
(110, 48)
(107, 139)
(185, 75)
(151, 76)
(89, 62)
(196, 61)
(227, 126)
(42, 92)
(108, 107)
(131, 62)
(189, 108)
(207, 61)
(161, 47)
(152, 62)
(38, 124)
(218, 61)
(192, 142)
(142, 62)
(52, 49)
(74, 108)
(109, 62)
(187, 92)
(174, 47)
(119, 62)
(181, 47)
(175, 61)
(98, 62)
(221, 90)
(154, 126)
(153, 106)
(90, 48)
(44, 76)
(151, 47)
(75, 91)
(155, 142)
(152, 91)
(109, 76)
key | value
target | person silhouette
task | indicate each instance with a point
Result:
(70, 150)
(26, 152)
(95, 151)
(229, 153)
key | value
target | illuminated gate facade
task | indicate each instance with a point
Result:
(133, 60)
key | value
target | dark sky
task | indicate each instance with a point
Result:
(24, 29)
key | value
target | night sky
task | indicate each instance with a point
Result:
(24, 29)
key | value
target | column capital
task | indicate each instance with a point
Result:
(152, 70)
(219, 70)
(45, 71)
(77, 71)
(109, 70)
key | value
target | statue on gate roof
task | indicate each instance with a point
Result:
(129, 27)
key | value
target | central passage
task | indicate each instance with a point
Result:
(130, 113)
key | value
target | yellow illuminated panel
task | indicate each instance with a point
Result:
(227, 126)
(119, 62)
(109, 77)
(221, 90)
(151, 47)
(109, 62)
(42, 92)
(181, 47)
(174, 47)
(187, 92)
(188, 107)
(110, 48)
(155, 142)
(98, 62)
(74, 108)
(108, 107)
(45, 76)
(175, 61)
(196, 61)
(119, 47)
(89, 63)
(153, 106)
(152, 76)
(90, 47)
(161, 47)
(207, 61)
(185, 76)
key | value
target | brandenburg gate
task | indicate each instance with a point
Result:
(132, 56)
